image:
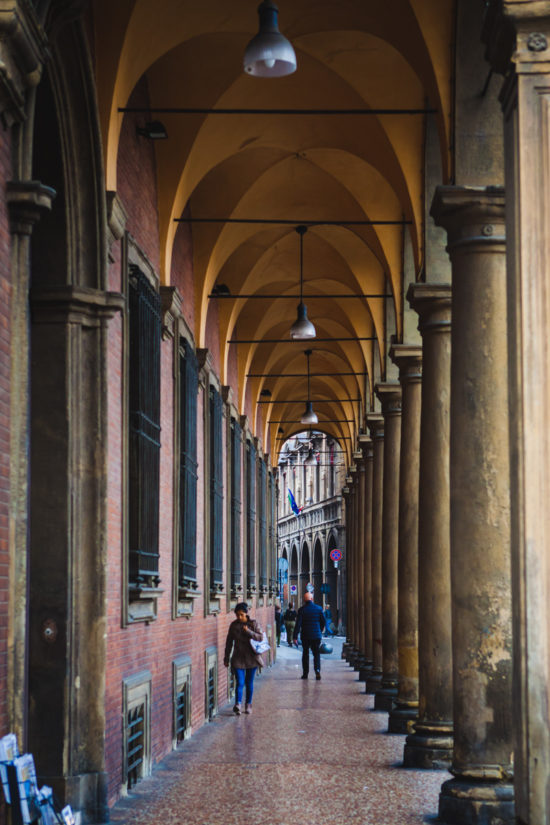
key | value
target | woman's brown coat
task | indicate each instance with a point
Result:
(238, 638)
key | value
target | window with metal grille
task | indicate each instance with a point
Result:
(251, 515)
(211, 692)
(235, 512)
(144, 447)
(182, 698)
(216, 490)
(189, 382)
(262, 532)
(135, 739)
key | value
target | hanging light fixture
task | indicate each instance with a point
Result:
(302, 329)
(309, 416)
(269, 54)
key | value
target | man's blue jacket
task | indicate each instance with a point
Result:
(310, 622)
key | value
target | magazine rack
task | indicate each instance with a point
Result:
(15, 797)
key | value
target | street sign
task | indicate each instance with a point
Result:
(309, 587)
(293, 589)
(325, 588)
(336, 554)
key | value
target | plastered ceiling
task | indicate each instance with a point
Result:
(352, 54)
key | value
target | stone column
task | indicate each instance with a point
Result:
(409, 360)
(366, 445)
(347, 646)
(376, 427)
(390, 398)
(482, 789)
(361, 660)
(519, 46)
(354, 495)
(431, 744)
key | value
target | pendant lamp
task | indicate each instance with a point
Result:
(302, 329)
(269, 54)
(309, 417)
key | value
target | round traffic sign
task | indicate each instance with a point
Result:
(336, 554)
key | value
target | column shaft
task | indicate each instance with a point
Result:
(431, 743)
(482, 790)
(367, 448)
(390, 397)
(376, 427)
(409, 360)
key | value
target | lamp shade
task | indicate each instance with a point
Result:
(302, 328)
(309, 416)
(269, 53)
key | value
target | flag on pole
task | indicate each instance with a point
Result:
(293, 506)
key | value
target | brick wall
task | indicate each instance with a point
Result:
(154, 646)
(5, 291)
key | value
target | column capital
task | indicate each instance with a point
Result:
(433, 304)
(408, 357)
(389, 396)
(366, 446)
(474, 216)
(23, 51)
(375, 423)
(171, 304)
(26, 200)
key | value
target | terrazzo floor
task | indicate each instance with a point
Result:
(311, 752)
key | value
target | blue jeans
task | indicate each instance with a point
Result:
(244, 678)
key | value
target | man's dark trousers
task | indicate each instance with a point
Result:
(313, 645)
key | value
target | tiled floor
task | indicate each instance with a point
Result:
(311, 752)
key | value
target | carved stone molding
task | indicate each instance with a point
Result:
(26, 201)
(389, 396)
(171, 302)
(74, 305)
(116, 217)
(23, 52)
(408, 358)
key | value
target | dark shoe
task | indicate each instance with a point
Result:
(248, 708)
(304, 676)
(318, 675)
(237, 710)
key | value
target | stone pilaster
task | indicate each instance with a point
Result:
(26, 201)
(431, 743)
(376, 428)
(347, 646)
(409, 360)
(482, 789)
(390, 398)
(518, 39)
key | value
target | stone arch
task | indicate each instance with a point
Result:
(305, 568)
(317, 574)
(293, 574)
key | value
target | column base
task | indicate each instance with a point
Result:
(360, 662)
(386, 697)
(402, 717)
(467, 802)
(374, 682)
(365, 671)
(430, 746)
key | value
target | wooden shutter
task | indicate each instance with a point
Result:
(235, 503)
(189, 378)
(251, 514)
(216, 489)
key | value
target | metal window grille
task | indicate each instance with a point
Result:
(135, 744)
(182, 699)
(272, 531)
(262, 477)
(235, 530)
(251, 515)
(144, 453)
(216, 489)
(211, 692)
(189, 383)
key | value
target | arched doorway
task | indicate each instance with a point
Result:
(317, 576)
(293, 577)
(305, 570)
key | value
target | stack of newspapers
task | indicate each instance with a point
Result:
(36, 805)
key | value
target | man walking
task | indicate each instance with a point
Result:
(310, 625)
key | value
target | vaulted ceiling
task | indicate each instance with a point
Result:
(358, 178)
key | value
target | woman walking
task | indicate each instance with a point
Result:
(244, 661)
